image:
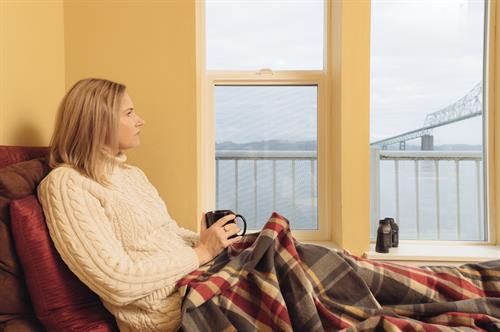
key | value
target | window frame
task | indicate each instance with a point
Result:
(209, 79)
(347, 59)
(491, 220)
(491, 102)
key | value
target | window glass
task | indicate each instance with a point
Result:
(266, 153)
(277, 34)
(427, 118)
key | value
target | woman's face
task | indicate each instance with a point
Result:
(130, 125)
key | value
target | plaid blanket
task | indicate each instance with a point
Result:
(270, 282)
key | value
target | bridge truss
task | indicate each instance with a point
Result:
(468, 106)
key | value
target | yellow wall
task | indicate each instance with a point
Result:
(150, 47)
(31, 70)
(350, 129)
(494, 101)
(45, 46)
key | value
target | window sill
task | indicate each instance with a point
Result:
(421, 254)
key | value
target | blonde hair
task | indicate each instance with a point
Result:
(86, 128)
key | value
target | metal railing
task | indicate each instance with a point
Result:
(237, 156)
(417, 157)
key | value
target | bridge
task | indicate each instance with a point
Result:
(468, 106)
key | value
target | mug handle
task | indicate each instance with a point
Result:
(244, 224)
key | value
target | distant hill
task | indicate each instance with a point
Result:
(276, 145)
(281, 145)
(444, 147)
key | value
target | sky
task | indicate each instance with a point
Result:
(425, 55)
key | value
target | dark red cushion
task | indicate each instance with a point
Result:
(16, 181)
(61, 301)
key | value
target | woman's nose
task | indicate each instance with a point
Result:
(140, 122)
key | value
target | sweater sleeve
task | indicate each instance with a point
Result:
(187, 235)
(82, 235)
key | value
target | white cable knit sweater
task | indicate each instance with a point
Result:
(121, 242)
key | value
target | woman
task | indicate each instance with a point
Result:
(108, 222)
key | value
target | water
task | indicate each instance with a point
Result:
(293, 194)
(448, 207)
(446, 210)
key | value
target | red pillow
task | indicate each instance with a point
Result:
(61, 301)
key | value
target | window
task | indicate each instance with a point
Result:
(428, 141)
(266, 97)
(266, 147)
(250, 35)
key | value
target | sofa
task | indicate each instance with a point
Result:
(38, 291)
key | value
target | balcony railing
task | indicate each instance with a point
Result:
(462, 222)
(248, 191)
(429, 195)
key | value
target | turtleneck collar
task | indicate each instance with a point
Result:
(121, 157)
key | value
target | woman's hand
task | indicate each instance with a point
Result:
(215, 238)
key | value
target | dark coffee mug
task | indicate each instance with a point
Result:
(212, 216)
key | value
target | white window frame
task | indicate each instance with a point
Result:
(459, 252)
(487, 153)
(209, 79)
(347, 106)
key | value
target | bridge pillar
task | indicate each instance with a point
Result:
(402, 145)
(427, 143)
